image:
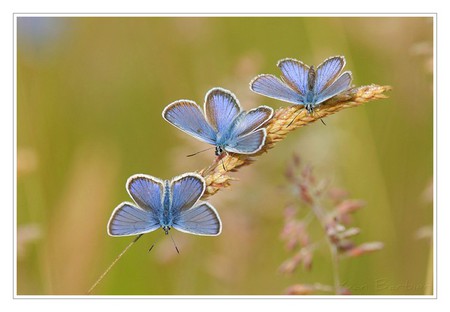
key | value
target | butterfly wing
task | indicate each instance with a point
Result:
(251, 120)
(221, 108)
(199, 220)
(186, 190)
(188, 117)
(271, 86)
(128, 219)
(341, 84)
(327, 72)
(247, 144)
(146, 191)
(295, 74)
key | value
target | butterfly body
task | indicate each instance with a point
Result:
(304, 85)
(310, 99)
(166, 215)
(165, 204)
(225, 139)
(223, 123)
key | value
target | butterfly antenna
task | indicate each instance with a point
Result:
(223, 165)
(175, 245)
(190, 155)
(112, 264)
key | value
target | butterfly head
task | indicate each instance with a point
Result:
(166, 229)
(310, 107)
(219, 150)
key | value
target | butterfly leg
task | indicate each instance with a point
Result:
(298, 113)
(221, 157)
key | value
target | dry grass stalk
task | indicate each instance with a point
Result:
(216, 175)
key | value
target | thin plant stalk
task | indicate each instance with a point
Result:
(112, 264)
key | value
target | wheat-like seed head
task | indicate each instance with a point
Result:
(280, 125)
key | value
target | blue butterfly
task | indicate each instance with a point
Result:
(304, 85)
(165, 204)
(224, 124)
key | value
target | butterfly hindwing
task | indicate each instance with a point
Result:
(339, 85)
(202, 219)
(128, 219)
(252, 120)
(248, 144)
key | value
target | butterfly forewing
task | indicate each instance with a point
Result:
(146, 191)
(295, 74)
(128, 219)
(186, 191)
(271, 86)
(221, 108)
(200, 220)
(188, 117)
(327, 73)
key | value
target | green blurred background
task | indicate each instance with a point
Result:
(90, 92)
